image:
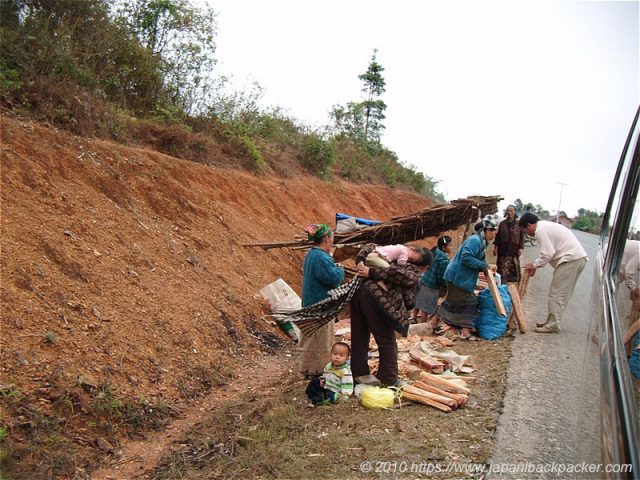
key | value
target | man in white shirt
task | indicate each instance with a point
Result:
(560, 248)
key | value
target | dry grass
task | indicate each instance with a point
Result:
(280, 437)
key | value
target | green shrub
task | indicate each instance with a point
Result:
(318, 155)
(254, 152)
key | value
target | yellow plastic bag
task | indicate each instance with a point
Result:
(376, 398)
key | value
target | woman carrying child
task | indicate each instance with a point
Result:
(379, 312)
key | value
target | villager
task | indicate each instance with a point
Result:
(432, 283)
(561, 249)
(508, 246)
(460, 306)
(374, 311)
(319, 275)
(384, 255)
(336, 382)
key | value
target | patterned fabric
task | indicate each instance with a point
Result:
(318, 231)
(310, 319)
(459, 309)
(401, 280)
(509, 268)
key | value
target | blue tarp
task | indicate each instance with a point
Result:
(362, 221)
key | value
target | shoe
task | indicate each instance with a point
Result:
(547, 329)
(399, 383)
(470, 338)
(540, 325)
(367, 380)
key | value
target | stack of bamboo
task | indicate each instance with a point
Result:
(442, 392)
(428, 222)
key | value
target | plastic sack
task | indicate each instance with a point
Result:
(375, 398)
(281, 297)
(488, 323)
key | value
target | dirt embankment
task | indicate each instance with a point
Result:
(124, 274)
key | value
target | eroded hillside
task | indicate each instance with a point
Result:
(124, 273)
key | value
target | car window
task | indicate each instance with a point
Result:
(616, 199)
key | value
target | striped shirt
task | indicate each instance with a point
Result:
(338, 379)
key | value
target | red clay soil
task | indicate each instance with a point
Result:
(124, 274)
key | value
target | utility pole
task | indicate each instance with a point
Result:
(560, 201)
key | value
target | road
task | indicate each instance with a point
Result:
(551, 405)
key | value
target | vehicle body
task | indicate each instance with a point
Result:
(620, 432)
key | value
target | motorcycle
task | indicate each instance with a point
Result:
(530, 240)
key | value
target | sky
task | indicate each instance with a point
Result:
(529, 100)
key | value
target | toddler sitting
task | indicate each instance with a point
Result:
(336, 379)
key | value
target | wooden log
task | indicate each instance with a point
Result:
(517, 308)
(458, 378)
(443, 384)
(413, 371)
(459, 398)
(495, 293)
(522, 288)
(426, 401)
(448, 401)
(426, 362)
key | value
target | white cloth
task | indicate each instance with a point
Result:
(630, 264)
(394, 253)
(558, 245)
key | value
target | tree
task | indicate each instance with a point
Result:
(183, 37)
(362, 121)
(374, 86)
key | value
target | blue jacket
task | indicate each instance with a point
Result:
(319, 275)
(469, 260)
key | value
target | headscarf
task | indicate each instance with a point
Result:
(318, 231)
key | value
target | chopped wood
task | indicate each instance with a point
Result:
(413, 371)
(497, 299)
(522, 288)
(459, 398)
(441, 383)
(457, 378)
(426, 362)
(517, 307)
(426, 401)
(450, 402)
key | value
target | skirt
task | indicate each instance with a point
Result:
(459, 309)
(509, 268)
(427, 299)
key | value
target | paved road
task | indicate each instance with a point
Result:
(552, 402)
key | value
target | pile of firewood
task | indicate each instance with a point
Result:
(446, 393)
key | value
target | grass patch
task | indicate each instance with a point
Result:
(280, 437)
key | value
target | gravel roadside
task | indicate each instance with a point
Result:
(550, 415)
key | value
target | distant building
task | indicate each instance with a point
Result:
(563, 220)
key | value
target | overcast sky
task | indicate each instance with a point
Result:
(490, 98)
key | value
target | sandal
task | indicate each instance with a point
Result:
(470, 338)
